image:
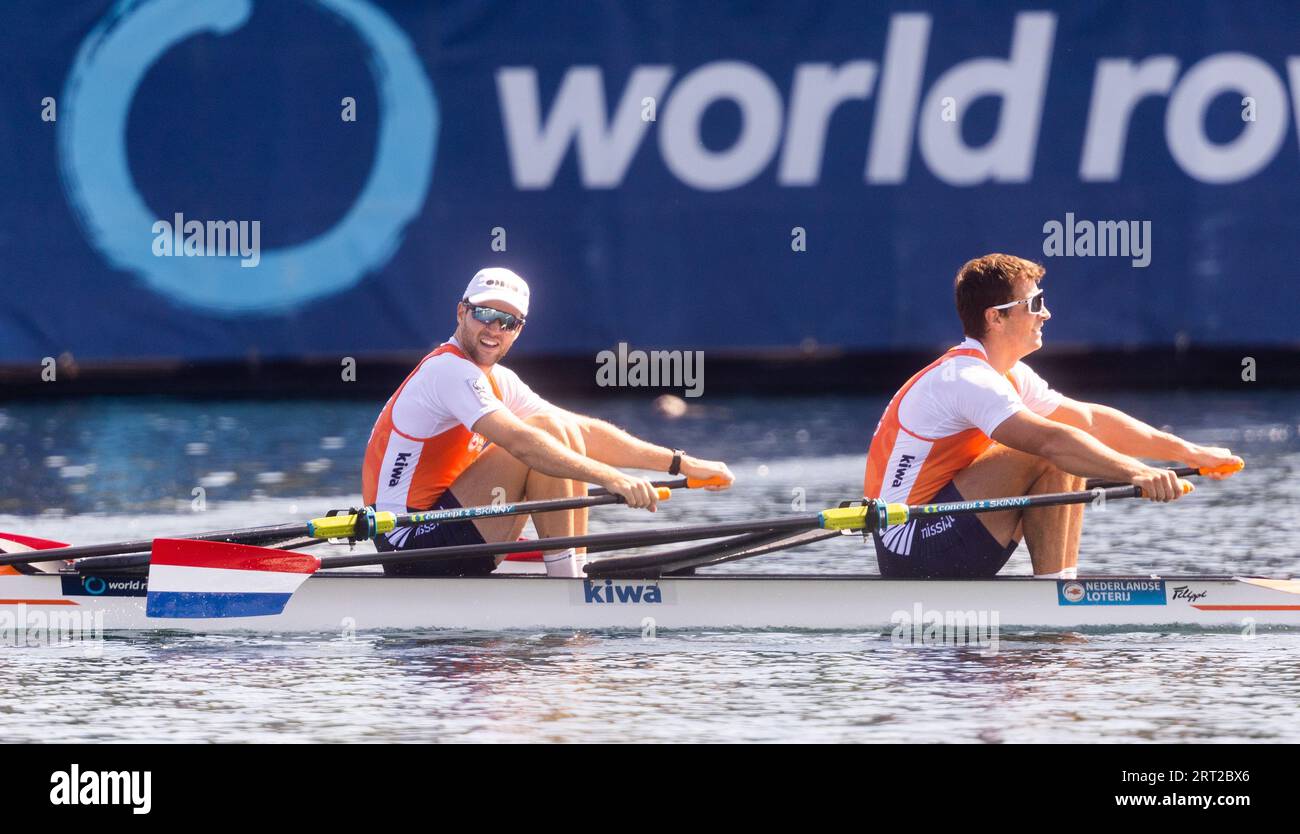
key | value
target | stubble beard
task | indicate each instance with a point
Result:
(470, 345)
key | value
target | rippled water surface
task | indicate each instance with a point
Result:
(107, 469)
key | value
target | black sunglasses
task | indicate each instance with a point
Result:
(487, 315)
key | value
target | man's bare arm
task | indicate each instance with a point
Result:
(1121, 432)
(610, 444)
(538, 450)
(1131, 436)
(1075, 451)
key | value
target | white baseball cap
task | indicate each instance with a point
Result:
(498, 284)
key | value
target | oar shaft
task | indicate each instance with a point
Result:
(658, 563)
(1102, 483)
(594, 543)
(895, 514)
(847, 518)
(83, 551)
(336, 526)
(345, 526)
(517, 508)
(876, 515)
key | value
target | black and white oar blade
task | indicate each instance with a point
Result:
(212, 580)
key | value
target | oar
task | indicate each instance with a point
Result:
(872, 515)
(891, 515)
(673, 562)
(1181, 471)
(191, 579)
(340, 526)
(649, 565)
(837, 519)
(268, 579)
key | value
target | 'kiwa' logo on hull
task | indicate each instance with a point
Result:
(608, 592)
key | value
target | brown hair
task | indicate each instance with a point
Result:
(984, 282)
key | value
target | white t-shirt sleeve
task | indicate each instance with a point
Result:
(983, 397)
(522, 401)
(459, 389)
(1037, 395)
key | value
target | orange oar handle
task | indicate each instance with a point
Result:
(696, 483)
(664, 493)
(1187, 486)
(1224, 469)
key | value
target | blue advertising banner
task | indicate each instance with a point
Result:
(213, 180)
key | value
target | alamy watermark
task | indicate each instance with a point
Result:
(131, 788)
(181, 238)
(27, 626)
(928, 627)
(626, 368)
(1099, 239)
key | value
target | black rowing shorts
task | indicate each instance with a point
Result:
(442, 534)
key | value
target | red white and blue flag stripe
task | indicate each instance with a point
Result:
(204, 580)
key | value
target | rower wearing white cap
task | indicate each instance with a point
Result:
(463, 430)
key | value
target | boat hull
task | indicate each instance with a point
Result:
(351, 602)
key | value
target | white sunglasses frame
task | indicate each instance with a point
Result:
(1026, 301)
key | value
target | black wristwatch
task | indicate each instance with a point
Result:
(676, 468)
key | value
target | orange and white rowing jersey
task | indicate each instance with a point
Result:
(940, 421)
(424, 438)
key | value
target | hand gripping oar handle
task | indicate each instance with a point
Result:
(1181, 471)
(677, 483)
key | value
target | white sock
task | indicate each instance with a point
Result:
(1064, 573)
(565, 563)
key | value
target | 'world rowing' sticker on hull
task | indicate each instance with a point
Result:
(105, 586)
(1110, 591)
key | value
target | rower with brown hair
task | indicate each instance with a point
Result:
(978, 423)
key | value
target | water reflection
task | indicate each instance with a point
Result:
(771, 686)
